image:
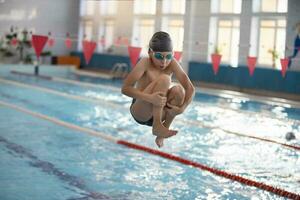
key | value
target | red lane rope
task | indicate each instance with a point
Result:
(218, 172)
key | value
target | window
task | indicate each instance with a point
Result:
(173, 21)
(224, 30)
(98, 17)
(87, 7)
(108, 7)
(143, 31)
(85, 32)
(88, 30)
(272, 35)
(145, 7)
(228, 40)
(275, 6)
(143, 27)
(107, 32)
(176, 30)
(173, 6)
(268, 31)
(226, 6)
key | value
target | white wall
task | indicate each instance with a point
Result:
(42, 16)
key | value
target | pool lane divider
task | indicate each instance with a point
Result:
(244, 135)
(215, 171)
(30, 74)
(60, 122)
(63, 80)
(55, 92)
(96, 101)
(245, 181)
(52, 170)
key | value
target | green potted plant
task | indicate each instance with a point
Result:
(16, 43)
(275, 56)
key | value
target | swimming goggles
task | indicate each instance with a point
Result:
(160, 56)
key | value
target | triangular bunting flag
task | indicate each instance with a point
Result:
(284, 63)
(177, 55)
(14, 41)
(251, 64)
(38, 42)
(68, 43)
(134, 54)
(51, 42)
(216, 59)
(88, 50)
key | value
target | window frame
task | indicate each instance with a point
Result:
(165, 25)
(275, 47)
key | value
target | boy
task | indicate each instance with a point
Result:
(155, 102)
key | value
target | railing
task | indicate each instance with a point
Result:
(119, 70)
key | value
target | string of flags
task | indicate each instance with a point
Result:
(39, 42)
(251, 62)
(120, 40)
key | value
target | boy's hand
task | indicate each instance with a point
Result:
(173, 110)
(158, 99)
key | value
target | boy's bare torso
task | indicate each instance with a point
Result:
(151, 73)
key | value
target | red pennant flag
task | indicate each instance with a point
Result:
(284, 63)
(38, 42)
(134, 54)
(68, 43)
(51, 42)
(177, 55)
(251, 64)
(216, 59)
(88, 50)
(14, 41)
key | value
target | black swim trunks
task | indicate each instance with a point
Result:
(147, 123)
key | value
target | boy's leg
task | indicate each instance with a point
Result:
(176, 96)
(158, 129)
(144, 110)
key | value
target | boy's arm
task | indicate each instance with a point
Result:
(186, 83)
(135, 75)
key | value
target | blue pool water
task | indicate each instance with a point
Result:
(43, 160)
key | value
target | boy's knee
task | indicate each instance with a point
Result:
(179, 90)
(177, 95)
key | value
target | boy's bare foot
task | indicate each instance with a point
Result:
(159, 141)
(163, 132)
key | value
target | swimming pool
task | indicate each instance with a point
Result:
(45, 160)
